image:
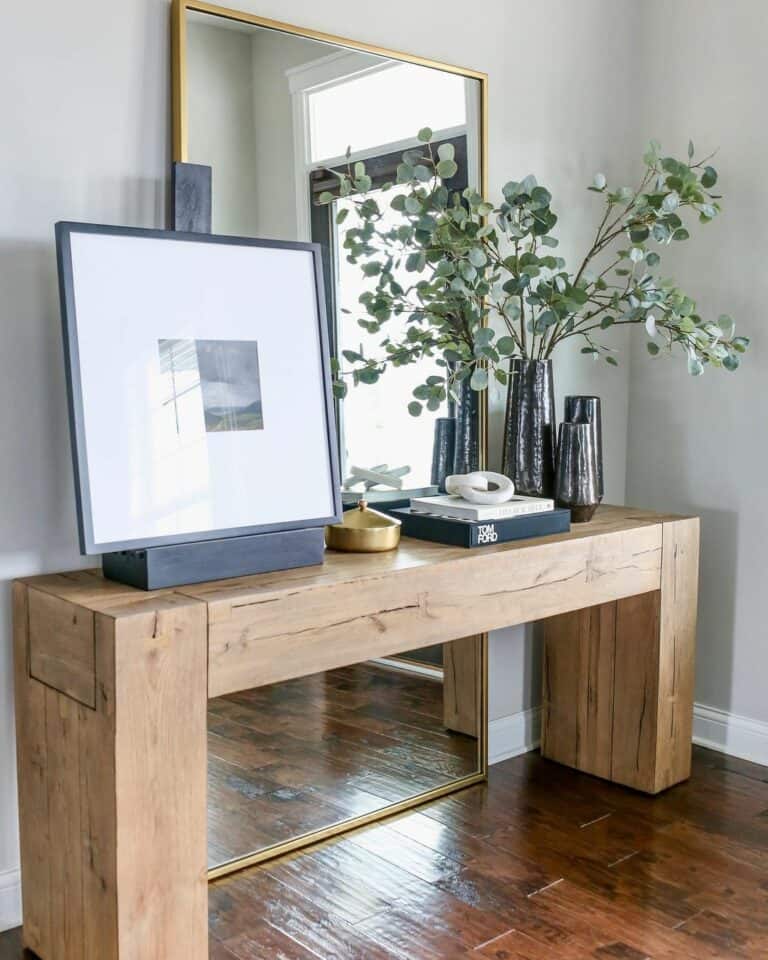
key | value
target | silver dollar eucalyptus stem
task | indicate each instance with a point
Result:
(456, 268)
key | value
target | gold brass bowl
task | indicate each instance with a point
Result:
(364, 531)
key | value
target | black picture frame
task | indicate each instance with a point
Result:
(64, 230)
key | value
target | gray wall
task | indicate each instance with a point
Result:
(221, 129)
(241, 123)
(699, 444)
(274, 177)
(84, 100)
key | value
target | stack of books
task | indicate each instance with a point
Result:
(453, 520)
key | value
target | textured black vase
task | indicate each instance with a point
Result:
(587, 410)
(443, 450)
(576, 487)
(466, 456)
(529, 429)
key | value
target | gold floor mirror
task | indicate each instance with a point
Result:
(271, 108)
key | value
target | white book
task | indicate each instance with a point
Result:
(457, 508)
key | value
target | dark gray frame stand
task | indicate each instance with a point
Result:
(172, 565)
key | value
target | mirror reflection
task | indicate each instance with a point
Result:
(273, 113)
(295, 757)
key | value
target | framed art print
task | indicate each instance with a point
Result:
(199, 386)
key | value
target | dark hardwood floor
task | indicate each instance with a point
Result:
(294, 757)
(541, 864)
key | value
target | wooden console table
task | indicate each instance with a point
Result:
(112, 685)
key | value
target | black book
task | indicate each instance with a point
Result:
(469, 533)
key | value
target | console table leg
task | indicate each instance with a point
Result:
(113, 790)
(618, 678)
(462, 685)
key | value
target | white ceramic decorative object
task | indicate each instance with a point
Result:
(483, 486)
(381, 475)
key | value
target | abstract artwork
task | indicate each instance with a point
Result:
(222, 376)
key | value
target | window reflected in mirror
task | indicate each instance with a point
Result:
(273, 113)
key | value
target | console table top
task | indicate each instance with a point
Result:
(89, 589)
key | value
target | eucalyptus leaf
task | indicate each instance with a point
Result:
(405, 173)
(479, 379)
(506, 346)
(339, 389)
(412, 204)
(447, 169)
(727, 326)
(476, 257)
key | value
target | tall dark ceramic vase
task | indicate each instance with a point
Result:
(529, 429)
(466, 449)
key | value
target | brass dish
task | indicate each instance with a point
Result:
(364, 531)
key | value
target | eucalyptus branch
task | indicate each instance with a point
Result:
(437, 269)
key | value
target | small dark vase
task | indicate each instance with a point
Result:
(529, 428)
(466, 450)
(577, 487)
(580, 409)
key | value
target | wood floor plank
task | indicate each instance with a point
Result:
(10, 945)
(294, 757)
(519, 946)
(511, 871)
(259, 902)
(724, 935)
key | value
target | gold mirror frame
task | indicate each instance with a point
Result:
(180, 121)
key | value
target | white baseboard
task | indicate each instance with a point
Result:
(729, 733)
(716, 729)
(510, 736)
(10, 899)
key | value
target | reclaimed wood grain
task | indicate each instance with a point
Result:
(679, 601)
(32, 767)
(578, 688)
(160, 789)
(637, 653)
(112, 797)
(462, 685)
(321, 622)
(61, 646)
(618, 679)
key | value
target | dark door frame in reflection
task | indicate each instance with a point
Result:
(180, 122)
